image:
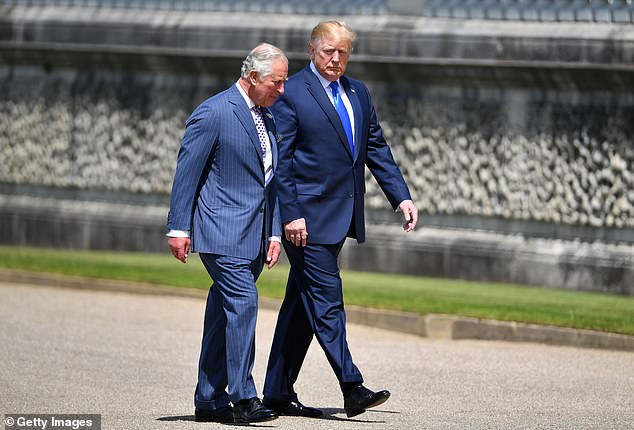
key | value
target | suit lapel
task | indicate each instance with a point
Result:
(358, 114)
(317, 91)
(241, 110)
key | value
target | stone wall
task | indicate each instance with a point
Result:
(465, 151)
(513, 154)
(89, 130)
(511, 128)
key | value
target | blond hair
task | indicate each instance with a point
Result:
(331, 29)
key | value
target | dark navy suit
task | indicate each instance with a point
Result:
(320, 179)
(220, 195)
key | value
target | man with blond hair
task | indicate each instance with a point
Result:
(329, 133)
(224, 207)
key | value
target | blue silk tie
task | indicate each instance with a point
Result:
(343, 113)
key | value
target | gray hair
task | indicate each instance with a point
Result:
(261, 59)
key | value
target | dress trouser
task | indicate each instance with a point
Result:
(313, 304)
(228, 345)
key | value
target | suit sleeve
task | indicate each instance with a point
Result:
(286, 122)
(276, 229)
(199, 141)
(381, 163)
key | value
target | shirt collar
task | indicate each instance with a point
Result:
(324, 82)
(246, 98)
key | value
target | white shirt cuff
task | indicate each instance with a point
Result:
(177, 233)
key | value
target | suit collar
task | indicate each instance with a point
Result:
(244, 95)
(323, 81)
(318, 92)
(243, 112)
(266, 113)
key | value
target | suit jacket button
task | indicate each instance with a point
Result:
(261, 210)
(350, 195)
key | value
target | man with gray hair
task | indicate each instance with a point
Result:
(223, 207)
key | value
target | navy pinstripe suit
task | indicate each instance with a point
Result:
(219, 195)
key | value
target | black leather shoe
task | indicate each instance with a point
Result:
(220, 415)
(293, 408)
(252, 411)
(361, 398)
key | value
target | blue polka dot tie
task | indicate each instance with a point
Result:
(261, 128)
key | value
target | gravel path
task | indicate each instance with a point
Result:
(132, 359)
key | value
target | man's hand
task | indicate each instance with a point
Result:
(295, 232)
(273, 253)
(179, 247)
(410, 215)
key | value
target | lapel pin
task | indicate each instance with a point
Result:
(268, 114)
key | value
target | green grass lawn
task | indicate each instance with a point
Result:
(388, 291)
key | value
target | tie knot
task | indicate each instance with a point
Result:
(257, 110)
(335, 87)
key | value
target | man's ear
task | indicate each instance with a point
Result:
(253, 77)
